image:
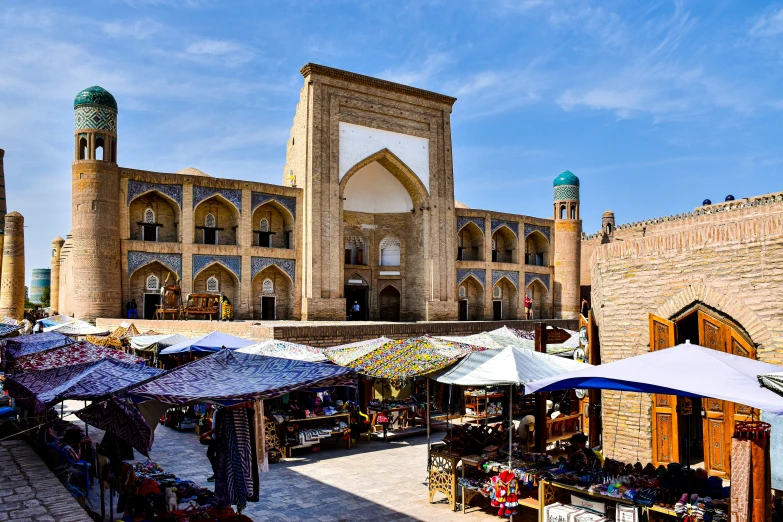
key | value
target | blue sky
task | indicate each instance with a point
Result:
(654, 105)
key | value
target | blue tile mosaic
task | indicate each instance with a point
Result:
(137, 260)
(567, 193)
(94, 117)
(137, 188)
(202, 261)
(464, 220)
(529, 229)
(544, 278)
(513, 225)
(259, 198)
(511, 275)
(201, 193)
(288, 266)
(464, 273)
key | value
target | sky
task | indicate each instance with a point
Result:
(654, 105)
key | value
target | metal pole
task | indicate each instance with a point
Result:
(428, 423)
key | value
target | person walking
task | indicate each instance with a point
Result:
(133, 309)
(528, 307)
(212, 448)
(355, 309)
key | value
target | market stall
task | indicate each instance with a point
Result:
(30, 344)
(286, 350)
(75, 353)
(207, 344)
(149, 346)
(119, 338)
(76, 328)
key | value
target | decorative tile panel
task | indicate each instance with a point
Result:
(513, 225)
(137, 188)
(259, 198)
(544, 278)
(464, 273)
(137, 260)
(511, 275)
(94, 117)
(567, 192)
(529, 229)
(288, 266)
(201, 193)
(202, 261)
(464, 220)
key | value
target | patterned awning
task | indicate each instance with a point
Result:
(77, 353)
(286, 350)
(30, 344)
(229, 377)
(121, 419)
(345, 354)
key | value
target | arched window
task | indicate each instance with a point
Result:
(99, 149)
(209, 221)
(573, 211)
(268, 287)
(497, 292)
(149, 216)
(82, 148)
(264, 225)
(113, 157)
(608, 228)
(494, 245)
(562, 211)
(54, 252)
(462, 292)
(354, 250)
(152, 282)
(390, 251)
(212, 285)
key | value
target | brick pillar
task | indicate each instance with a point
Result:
(12, 279)
(2, 203)
(54, 284)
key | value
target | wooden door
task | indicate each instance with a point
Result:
(268, 308)
(666, 447)
(737, 345)
(712, 335)
(497, 310)
(463, 310)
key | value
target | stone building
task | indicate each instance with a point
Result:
(714, 277)
(41, 280)
(13, 291)
(365, 214)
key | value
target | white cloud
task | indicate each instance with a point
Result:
(227, 52)
(768, 25)
(416, 72)
(139, 30)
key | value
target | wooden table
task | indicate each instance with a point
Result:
(347, 416)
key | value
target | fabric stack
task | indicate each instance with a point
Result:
(558, 512)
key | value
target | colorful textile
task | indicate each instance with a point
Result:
(122, 420)
(76, 353)
(741, 473)
(155, 342)
(210, 343)
(76, 327)
(231, 377)
(107, 341)
(30, 344)
(234, 478)
(114, 339)
(6, 329)
(397, 360)
(286, 350)
(347, 353)
(84, 381)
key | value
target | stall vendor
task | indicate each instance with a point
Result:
(580, 456)
(212, 449)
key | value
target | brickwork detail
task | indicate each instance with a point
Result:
(12, 278)
(200, 193)
(464, 273)
(259, 198)
(511, 275)
(464, 220)
(257, 264)
(137, 188)
(512, 225)
(544, 278)
(232, 263)
(529, 229)
(137, 260)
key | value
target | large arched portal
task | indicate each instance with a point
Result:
(154, 217)
(273, 226)
(505, 300)
(217, 279)
(145, 285)
(273, 295)
(542, 304)
(536, 249)
(710, 432)
(470, 243)
(386, 201)
(215, 222)
(504, 246)
(470, 294)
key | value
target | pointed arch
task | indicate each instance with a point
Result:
(156, 193)
(505, 245)
(279, 221)
(226, 216)
(471, 242)
(474, 295)
(386, 158)
(538, 292)
(165, 214)
(217, 263)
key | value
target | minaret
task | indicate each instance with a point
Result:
(2, 205)
(95, 209)
(568, 244)
(54, 284)
(12, 278)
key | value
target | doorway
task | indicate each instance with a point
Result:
(151, 302)
(712, 421)
(268, 308)
(497, 310)
(463, 310)
(389, 304)
(210, 236)
(356, 294)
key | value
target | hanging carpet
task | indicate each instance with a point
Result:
(30, 344)
(123, 420)
(76, 353)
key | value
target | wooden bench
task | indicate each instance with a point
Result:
(171, 303)
(203, 305)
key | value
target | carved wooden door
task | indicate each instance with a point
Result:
(664, 427)
(739, 346)
(717, 414)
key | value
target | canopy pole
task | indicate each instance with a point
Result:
(510, 433)
(428, 423)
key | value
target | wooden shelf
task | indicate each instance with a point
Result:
(558, 485)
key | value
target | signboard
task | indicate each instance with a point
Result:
(684, 406)
(556, 336)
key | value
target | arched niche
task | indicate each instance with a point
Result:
(146, 297)
(504, 246)
(389, 303)
(505, 293)
(166, 215)
(470, 239)
(279, 226)
(226, 222)
(536, 249)
(272, 288)
(228, 284)
(390, 251)
(542, 304)
(470, 290)
(355, 248)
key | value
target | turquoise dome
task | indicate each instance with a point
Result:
(566, 178)
(95, 96)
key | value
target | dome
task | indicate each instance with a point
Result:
(608, 214)
(566, 178)
(706, 202)
(460, 204)
(729, 198)
(95, 96)
(58, 241)
(192, 171)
